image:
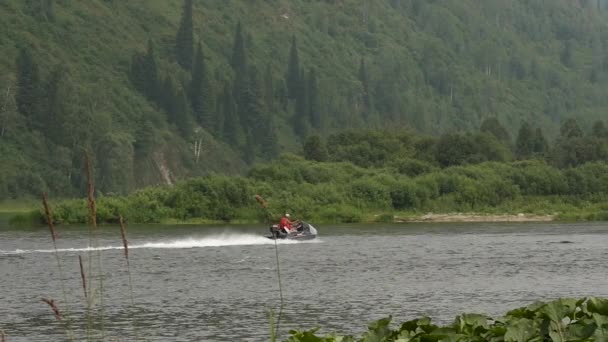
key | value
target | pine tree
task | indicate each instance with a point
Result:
(239, 56)
(200, 92)
(302, 111)
(50, 121)
(365, 93)
(218, 117)
(269, 140)
(293, 71)
(150, 70)
(29, 93)
(314, 149)
(313, 100)
(144, 74)
(181, 114)
(524, 145)
(494, 127)
(232, 126)
(175, 104)
(184, 41)
(540, 144)
(599, 130)
(252, 108)
(570, 129)
(269, 89)
(137, 73)
(240, 67)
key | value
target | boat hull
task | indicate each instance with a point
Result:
(294, 237)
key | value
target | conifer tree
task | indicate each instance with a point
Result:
(293, 71)
(218, 117)
(269, 89)
(313, 100)
(302, 111)
(238, 60)
(181, 114)
(50, 121)
(200, 92)
(232, 127)
(252, 107)
(570, 129)
(29, 93)
(137, 73)
(184, 41)
(599, 130)
(144, 74)
(524, 145)
(494, 127)
(269, 140)
(150, 74)
(541, 146)
(176, 105)
(240, 67)
(365, 93)
(314, 149)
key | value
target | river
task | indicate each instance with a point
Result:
(220, 283)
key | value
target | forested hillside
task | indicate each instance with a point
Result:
(159, 90)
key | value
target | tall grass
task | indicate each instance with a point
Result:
(274, 329)
(49, 219)
(94, 243)
(91, 293)
(125, 243)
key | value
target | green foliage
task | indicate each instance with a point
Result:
(560, 320)
(412, 65)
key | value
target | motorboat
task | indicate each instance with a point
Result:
(302, 231)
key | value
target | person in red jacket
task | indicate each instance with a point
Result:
(285, 224)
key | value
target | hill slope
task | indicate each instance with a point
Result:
(112, 81)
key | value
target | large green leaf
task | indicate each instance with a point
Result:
(597, 305)
(522, 330)
(379, 331)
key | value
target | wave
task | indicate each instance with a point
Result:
(221, 240)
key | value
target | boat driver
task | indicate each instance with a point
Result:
(286, 224)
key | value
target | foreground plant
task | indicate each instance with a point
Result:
(561, 320)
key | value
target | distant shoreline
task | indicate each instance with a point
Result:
(474, 217)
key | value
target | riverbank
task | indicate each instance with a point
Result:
(476, 217)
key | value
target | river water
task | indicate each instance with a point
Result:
(220, 283)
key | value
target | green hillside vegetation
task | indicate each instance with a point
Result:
(373, 176)
(159, 91)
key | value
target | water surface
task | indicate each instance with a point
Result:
(219, 283)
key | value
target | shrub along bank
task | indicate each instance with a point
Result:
(342, 192)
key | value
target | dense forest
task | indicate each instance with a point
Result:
(158, 91)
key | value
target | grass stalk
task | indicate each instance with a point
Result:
(83, 277)
(94, 242)
(125, 243)
(269, 216)
(51, 303)
(2, 336)
(276, 249)
(49, 219)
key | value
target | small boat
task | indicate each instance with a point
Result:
(303, 231)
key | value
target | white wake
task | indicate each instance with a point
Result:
(219, 240)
